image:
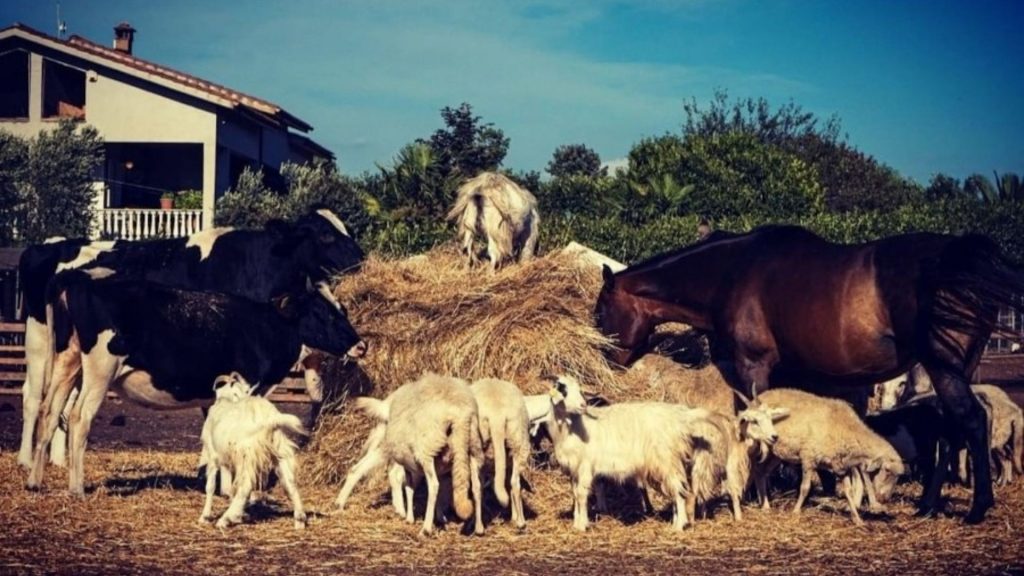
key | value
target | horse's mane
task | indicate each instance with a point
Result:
(715, 239)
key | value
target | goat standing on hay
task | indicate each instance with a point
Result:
(504, 213)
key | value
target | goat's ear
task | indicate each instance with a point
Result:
(778, 413)
(608, 275)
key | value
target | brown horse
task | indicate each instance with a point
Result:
(784, 305)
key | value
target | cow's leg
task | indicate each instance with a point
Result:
(65, 369)
(99, 368)
(59, 443)
(960, 403)
(286, 473)
(37, 348)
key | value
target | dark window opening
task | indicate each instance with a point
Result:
(63, 91)
(138, 174)
(14, 74)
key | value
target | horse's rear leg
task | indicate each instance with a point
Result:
(966, 411)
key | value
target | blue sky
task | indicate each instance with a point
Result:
(924, 86)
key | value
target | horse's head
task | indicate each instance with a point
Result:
(620, 315)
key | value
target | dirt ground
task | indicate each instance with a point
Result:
(139, 516)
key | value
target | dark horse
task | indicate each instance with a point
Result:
(786, 306)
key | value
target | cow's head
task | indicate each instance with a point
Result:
(322, 321)
(333, 249)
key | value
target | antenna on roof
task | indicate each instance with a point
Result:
(62, 26)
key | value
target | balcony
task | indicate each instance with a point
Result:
(145, 223)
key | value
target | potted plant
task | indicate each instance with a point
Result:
(167, 200)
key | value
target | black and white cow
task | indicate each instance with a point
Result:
(162, 347)
(257, 264)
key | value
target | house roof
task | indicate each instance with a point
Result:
(159, 74)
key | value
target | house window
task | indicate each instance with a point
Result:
(14, 74)
(63, 91)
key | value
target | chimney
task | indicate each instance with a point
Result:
(124, 36)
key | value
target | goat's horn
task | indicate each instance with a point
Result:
(742, 397)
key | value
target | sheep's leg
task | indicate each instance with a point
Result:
(761, 475)
(874, 506)
(444, 499)
(286, 473)
(243, 487)
(373, 458)
(852, 494)
(581, 493)
(477, 489)
(600, 499)
(518, 517)
(805, 488)
(413, 478)
(430, 474)
(211, 487)
(397, 480)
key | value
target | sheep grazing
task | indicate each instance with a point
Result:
(245, 436)
(826, 434)
(722, 465)
(642, 442)
(424, 423)
(504, 423)
(503, 212)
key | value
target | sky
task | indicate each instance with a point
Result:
(924, 86)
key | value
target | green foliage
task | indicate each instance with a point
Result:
(579, 195)
(13, 160)
(189, 200)
(415, 187)
(575, 160)
(736, 174)
(465, 146)
(250, 204)
(46, 183)
(651, 158)
(943, 186)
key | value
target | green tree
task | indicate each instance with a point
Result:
(466, 146)
(58, 182)
(575, 160)
(250, 203)
(416, 186)
(13, 161)
(943, 186)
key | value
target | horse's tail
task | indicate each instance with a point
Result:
(966, 286)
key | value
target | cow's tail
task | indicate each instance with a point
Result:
(966, 287)
(460, 447)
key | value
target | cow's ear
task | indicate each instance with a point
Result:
(285, 305)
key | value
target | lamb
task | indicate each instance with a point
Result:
(423, 421)
(649, 442)
(824, 433)
(504, 422)
(246, 435)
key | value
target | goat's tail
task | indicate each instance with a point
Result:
(709, 458)
(498, 435)
(288, 423)
(459, 441)
(374, 408)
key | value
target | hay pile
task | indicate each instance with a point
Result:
(431, 313)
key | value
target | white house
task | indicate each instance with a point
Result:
(164, 130)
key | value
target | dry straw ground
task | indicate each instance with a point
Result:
(430, 313)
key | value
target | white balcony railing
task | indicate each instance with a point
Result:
(142, 223)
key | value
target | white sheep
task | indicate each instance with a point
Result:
(504, 423)
(246, 436)
(648, 442)
(703, 387)
(423, 422)
(826, 434)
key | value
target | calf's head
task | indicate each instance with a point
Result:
(322, 322)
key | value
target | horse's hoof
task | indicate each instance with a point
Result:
(975, 517)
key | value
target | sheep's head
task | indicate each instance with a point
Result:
(567, 395)
(891, 392)
(888, 472)
(231, 387)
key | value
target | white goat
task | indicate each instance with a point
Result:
(245, 436)
(421, 423)
(722, 464)
(648, 442)
(504, 423)
(824, 433)
(504, 213)
(229, 388)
